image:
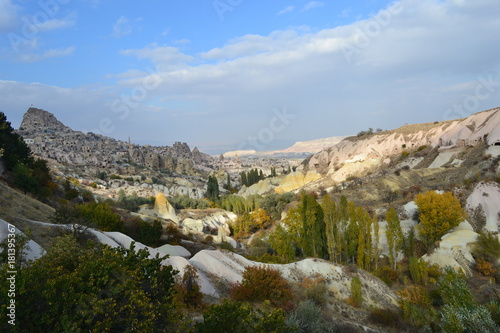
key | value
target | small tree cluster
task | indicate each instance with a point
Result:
(262, 283)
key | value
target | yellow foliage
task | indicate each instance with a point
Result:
(260, 218)
(438, 214)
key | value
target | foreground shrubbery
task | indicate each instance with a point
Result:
(93, 288)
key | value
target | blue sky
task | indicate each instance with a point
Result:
(240, 74)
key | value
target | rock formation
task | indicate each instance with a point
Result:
(50, 139)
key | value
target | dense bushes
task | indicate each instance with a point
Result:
(231, 317)
(261, 283)
(93, 288)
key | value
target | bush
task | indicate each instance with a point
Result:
(356, 298)
(261, 283)
(384, 317)
(307, 317)
(314, 289)
(101, 216)
(190, 289)
(231, 317)
(387, 274)
(143, 231)
(93, 289)
(487, 247)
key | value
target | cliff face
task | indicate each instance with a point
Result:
(353, 155)
(51, 139)
(36, 120)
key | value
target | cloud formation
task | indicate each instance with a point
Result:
(411, 62)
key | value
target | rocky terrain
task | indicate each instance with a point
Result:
(374, 170)
(50, 139)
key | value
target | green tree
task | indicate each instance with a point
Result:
(313, 226)
(356, 298)
(212, 189)
(12, 144)
(93, 288)
(332, 228)
(282, 242)
(438, 214)
(394, 235)
(460, 312)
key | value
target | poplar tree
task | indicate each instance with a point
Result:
(394, 235)
(331, 218)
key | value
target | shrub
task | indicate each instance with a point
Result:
(484, 267)
(261, 283)
(314, 289)
(231, 317)
(307, 317)
(190, 289)
(487, 247)
(387, 274)
(356, 299)
(384, 317)
(100, 215)
(415, 305)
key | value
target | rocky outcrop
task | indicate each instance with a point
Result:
(296, 180)
(455, 249)
(356, 156)
(50, 139)
(35, 120)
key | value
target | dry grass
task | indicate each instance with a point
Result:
(14, 204)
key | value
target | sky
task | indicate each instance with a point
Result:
(227, 75)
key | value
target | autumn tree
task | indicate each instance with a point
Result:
(438, 214)
(394, 235)
(332, 228)
(261, 283)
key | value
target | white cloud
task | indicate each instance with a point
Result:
(55, 24)
(412, 64)
(285, 10)
(312, 4)
(121, 28)
(163, 56)
(8, 15)
(52, 53)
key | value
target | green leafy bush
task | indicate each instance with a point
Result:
(231, 317)
(93, 288)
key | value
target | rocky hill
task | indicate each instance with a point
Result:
(355, 155)
(50, 139)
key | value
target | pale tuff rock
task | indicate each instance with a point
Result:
(488, 196)
(226, 267)
(296, 180)
(207, 221)
(164, 209)
(32, 251)
(262, 187)
(450, 136)
(174, 251)
(455, 249)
